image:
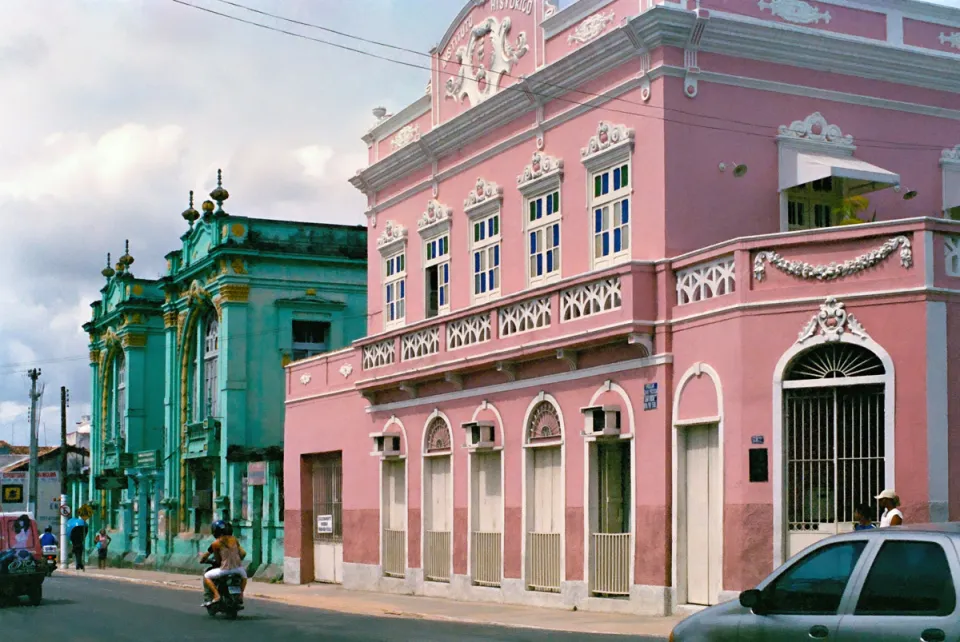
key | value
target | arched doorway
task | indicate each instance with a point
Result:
(834, 440)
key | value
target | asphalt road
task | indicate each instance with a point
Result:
(93, 610)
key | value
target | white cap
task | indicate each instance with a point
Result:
(889, 493)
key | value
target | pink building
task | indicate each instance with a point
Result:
(659, 294)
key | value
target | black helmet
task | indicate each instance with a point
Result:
(227, 528)
(220, 528)
(48, 529)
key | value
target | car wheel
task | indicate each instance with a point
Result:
(35, 594)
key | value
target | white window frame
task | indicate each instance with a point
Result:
(209, 366)
(441, 261)
(489, 247)
(120, 395)
(543, 228)
(397, 280)
(608, 202)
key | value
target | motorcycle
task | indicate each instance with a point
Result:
(50, 555)
(231, 597)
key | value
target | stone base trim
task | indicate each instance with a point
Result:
(643, 600)
(291, 570)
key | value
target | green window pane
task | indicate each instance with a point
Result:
(596, 185)
(624, 180)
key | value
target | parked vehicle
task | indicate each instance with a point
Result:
(231, 597)
(51, 554)
(21, 563)
(897, 583)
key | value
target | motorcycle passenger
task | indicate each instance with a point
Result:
(227, 549)
(48, 538)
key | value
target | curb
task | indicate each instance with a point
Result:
(382, 611)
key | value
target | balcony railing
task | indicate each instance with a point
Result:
(611, 563)
(543, 554)
(436, 565)
(203, 439)
(394, 553)
(486, 554)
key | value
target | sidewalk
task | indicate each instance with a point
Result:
(335, 598)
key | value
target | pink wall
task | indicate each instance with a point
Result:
(384, 148)
(927, 35)
(953, 406)
(854, 22)
(560, 45)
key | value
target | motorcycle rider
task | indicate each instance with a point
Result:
(227, 549)
(48, 538)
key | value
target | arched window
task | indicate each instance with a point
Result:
(544, 423)
(119, 396)
(205, 368)
(835, 361)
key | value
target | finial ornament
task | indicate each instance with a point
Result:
(219, 194)
(190, 215)
(108, 271)
(126, 259)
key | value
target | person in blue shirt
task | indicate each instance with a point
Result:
(862, 516)
(48, 538)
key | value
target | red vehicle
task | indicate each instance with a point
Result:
(21, 560)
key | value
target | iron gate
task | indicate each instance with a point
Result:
(327, 497)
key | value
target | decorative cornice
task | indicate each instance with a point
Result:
(110, 338)
(541, 166)
(196, 294)
(608, 138)
(590, 28)
(392, 233)
(815, 129)
(435, 215)
(950, 156)
(483, 192)
(94, 357)
(834, 271)
(234, 292)
(953, 39)
(134, 340)
(796, 11)
(170, 319)
(831, 323)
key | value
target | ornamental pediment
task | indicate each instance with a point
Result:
(393, 233)
(436, 215)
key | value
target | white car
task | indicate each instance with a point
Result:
(875, 585)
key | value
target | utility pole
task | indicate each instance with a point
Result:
(34, 374)
(64, 402)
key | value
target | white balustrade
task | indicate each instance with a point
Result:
(524, 316)
(420, 344)
(378, 355)
(706, 281)
(468, 331)
(590, 298)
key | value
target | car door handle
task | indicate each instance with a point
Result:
(819, 632)
(933, 635)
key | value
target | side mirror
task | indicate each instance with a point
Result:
(752, 599)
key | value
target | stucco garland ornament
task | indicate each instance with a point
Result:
(832, 322)
(590, 28)
(815, 128)
(475, 81)
(951, 155)
(953, 39)
(392, 232)
(833, 271)
(305, 378)
(407, 135)
(540, 165)
(796, 11)
(607, 136)
(435, 213)
(484, 191)
(345, 370)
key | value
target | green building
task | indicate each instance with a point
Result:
(188, 380)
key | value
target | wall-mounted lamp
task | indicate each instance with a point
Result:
(909, 195)
(739, 169)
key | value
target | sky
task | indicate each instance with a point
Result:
(112, 110)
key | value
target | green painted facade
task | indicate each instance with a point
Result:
(188, 380)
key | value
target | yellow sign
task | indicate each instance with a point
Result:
(13, 494)
(85, 512)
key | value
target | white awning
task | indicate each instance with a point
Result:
(800, 168)
(951, 187)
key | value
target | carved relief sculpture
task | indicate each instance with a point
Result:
(484, 191)
(540, 165)
(953, 39)
(438, 436)
(407, 135)
(305, 378)
(815, 128)
(548, 9)
(590, 28)
(345, 370)
(435, 213)
(475, 81)
(544, 422)
(796, 11)
(834, 270)
(950, 155)
(832, 322)
(392, 233)
(607, 136)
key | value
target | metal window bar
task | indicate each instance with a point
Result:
(328, 498)
(543, 551)
(611, 563)
(486, 557)
(834, 439)
(394, 553)
(436, 566)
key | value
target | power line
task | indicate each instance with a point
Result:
(895, 145)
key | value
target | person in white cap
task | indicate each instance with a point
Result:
(890, 503)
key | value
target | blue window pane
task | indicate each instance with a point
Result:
(402, 283)
(446, 272)
(496, 255)
(389, 293)
(483, 284)
(539, 264)
(606, 182)
(606, 243)
(556, 235)
(549, 261)
(616, 240)
(539, 208)
(616, 178)
(490, 226)
(625, 211)
(549, 205)
(442, 290)
(476, 261)
(533, 242)
(598, 221)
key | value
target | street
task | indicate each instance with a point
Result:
(81, 609)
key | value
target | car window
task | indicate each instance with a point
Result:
(815, 584)
(908, 578)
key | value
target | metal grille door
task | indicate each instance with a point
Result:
(834, 457)
(328, 518)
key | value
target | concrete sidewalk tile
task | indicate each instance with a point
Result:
(335, 598)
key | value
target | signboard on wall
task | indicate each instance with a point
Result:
(650, 396)
(13, 495)
(324, 524)
(257, 473)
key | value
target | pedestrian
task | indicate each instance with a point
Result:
(890, 503)
(861, 516)
(102, 541)
(78, 537)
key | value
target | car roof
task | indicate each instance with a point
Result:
(951, 529)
